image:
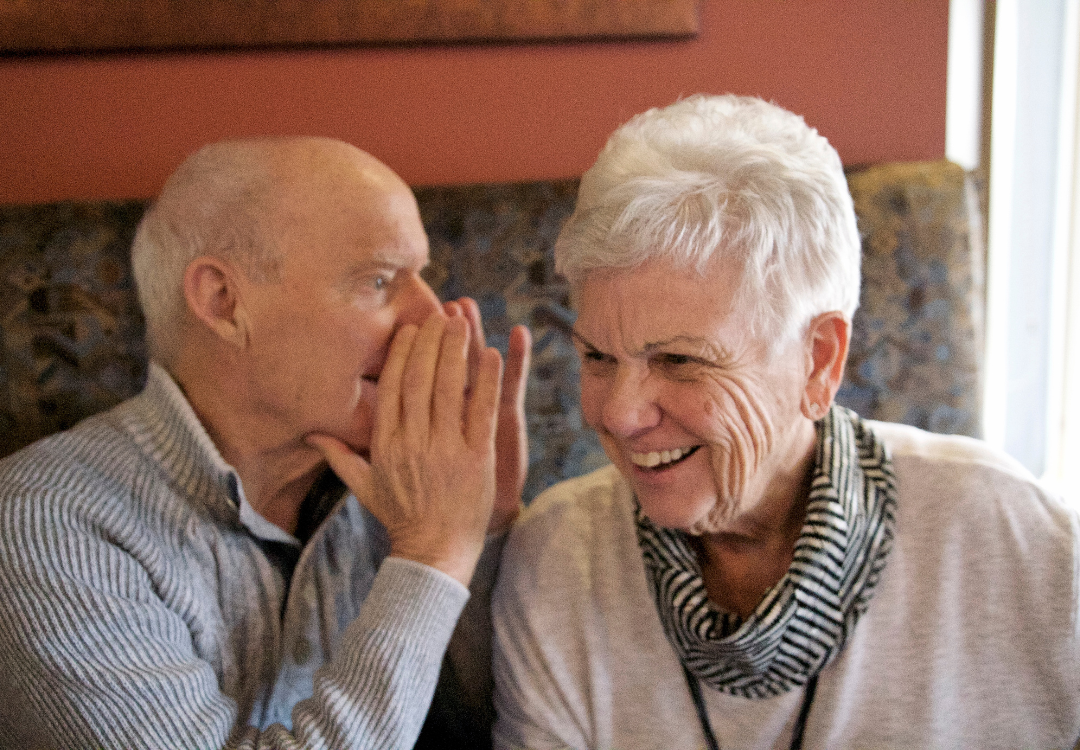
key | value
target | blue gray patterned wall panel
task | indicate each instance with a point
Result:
(71, 329)
(917, 339)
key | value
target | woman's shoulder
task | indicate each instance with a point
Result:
(572, 557)
(601, 491)
(909, 443)
(961, 483)
(576, 514)
(957, 464)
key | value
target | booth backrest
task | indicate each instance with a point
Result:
(72, 334)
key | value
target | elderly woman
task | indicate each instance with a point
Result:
(758, 567)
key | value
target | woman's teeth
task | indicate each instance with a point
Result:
(654, 459)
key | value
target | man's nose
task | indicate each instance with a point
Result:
(418, 302)
(630, 404)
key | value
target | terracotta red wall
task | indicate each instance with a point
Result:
(869, 75)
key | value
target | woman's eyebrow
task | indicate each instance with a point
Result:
(697, 342)
(707, 348)
(681, 339)
(581, 339)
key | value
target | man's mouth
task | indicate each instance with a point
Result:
(659, 460)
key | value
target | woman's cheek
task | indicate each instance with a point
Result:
(740, 437)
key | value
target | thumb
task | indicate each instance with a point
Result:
(350, 466)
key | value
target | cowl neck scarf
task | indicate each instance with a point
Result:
(805, 619)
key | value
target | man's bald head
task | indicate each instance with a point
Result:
(232, 200)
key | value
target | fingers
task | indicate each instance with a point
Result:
(350, 467)
(468, 309)
(423, 364)
(450, 377)
(388, 399)
(518, 358)
(471, 311)
(452, 308)
(418, 380)
(484, 400)
(511, 437)
(422, 385)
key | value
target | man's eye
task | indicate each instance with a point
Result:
(591, 355)
(381, 282)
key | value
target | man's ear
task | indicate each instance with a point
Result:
(827, 339)
(213, 296)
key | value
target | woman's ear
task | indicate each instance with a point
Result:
(827, 339)
(213, 296)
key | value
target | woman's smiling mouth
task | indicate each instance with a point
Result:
(658, 460)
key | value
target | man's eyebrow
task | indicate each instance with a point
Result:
(370, 262)
(359, 270)
(381, 262)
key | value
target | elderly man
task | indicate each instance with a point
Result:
(184, 570)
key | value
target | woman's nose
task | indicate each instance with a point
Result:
(630, 406)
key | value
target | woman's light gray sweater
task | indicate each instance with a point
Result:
(140, 607)
(972, 639)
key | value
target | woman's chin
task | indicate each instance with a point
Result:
(679, 511)
(681, 496)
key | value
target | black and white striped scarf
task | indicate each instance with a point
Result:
(805, 619)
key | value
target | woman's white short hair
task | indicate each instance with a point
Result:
(730, 178)
(214, 204)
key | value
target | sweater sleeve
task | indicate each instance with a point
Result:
(93, 657)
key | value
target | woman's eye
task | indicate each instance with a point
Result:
(675, 360)
(591, 355)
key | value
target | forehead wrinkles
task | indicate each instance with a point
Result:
(632, 316)
(610, 318)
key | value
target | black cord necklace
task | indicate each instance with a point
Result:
(706, 725)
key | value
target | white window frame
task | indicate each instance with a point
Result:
(1033, 331)
(1063, 444)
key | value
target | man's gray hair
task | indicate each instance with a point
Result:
(730, 178)
(215, 204)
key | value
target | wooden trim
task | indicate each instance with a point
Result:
(85, 25)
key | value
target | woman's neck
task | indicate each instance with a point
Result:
(738, 570)
(740, 565)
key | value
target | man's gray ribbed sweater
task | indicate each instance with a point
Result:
(140, 604)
